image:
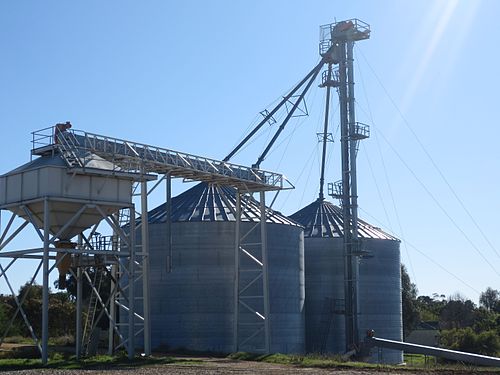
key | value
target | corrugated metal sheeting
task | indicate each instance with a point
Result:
(192, 307)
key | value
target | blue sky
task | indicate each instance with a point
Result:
(193, 76)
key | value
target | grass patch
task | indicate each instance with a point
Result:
(67, 340)
(310, 360)
(420, 360)
(18, 340)
(321, 361)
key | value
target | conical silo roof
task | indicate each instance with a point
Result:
(211, 202)
(323, 219)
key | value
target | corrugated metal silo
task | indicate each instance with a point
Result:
(379, 282)
(192, 307)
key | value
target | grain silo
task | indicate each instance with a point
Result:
(192, 306)
(379, 282)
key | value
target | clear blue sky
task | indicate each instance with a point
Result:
(193, 75)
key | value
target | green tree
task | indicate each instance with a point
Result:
(3, 317)
(430, 307)
(409, 293)
(490, 299)
(457, 313)
(466, 340)
(485, 320)
(61, 312)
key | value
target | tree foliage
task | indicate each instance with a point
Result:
(457, 313)
(409, 293)
(463, 325)
(467, 340)
(61, 312)
(490, 300)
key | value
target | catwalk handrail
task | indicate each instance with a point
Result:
(129, 156)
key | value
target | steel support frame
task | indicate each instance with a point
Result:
(48, 241)
(251, 262)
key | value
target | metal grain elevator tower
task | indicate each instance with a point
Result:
(336, 45)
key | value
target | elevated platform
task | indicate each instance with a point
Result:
(344, 31)
(131, 157)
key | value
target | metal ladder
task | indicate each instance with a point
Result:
(91, 312)
(331, 307)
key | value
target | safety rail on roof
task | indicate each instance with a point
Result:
(79, 147)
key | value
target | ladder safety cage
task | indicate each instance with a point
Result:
(359, 131)
(335, 189)
(332, 80)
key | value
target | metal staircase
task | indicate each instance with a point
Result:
(68, 146)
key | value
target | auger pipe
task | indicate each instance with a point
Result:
(270, 114)
(476, 359)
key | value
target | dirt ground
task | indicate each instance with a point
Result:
(205, 366)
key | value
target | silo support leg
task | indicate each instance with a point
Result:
(237, 271)
(112, 310)
(168, 221)
(145, 267)
(265, 275)
(131, 287)
(45, 292)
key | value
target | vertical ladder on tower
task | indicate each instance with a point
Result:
(331, 307)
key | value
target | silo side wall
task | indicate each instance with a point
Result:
(193, 306)
(286, 279)
(380, 296)
(324, 277)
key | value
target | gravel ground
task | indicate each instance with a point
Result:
(223, 366)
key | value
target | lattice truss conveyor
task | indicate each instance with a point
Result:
(80, 148)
